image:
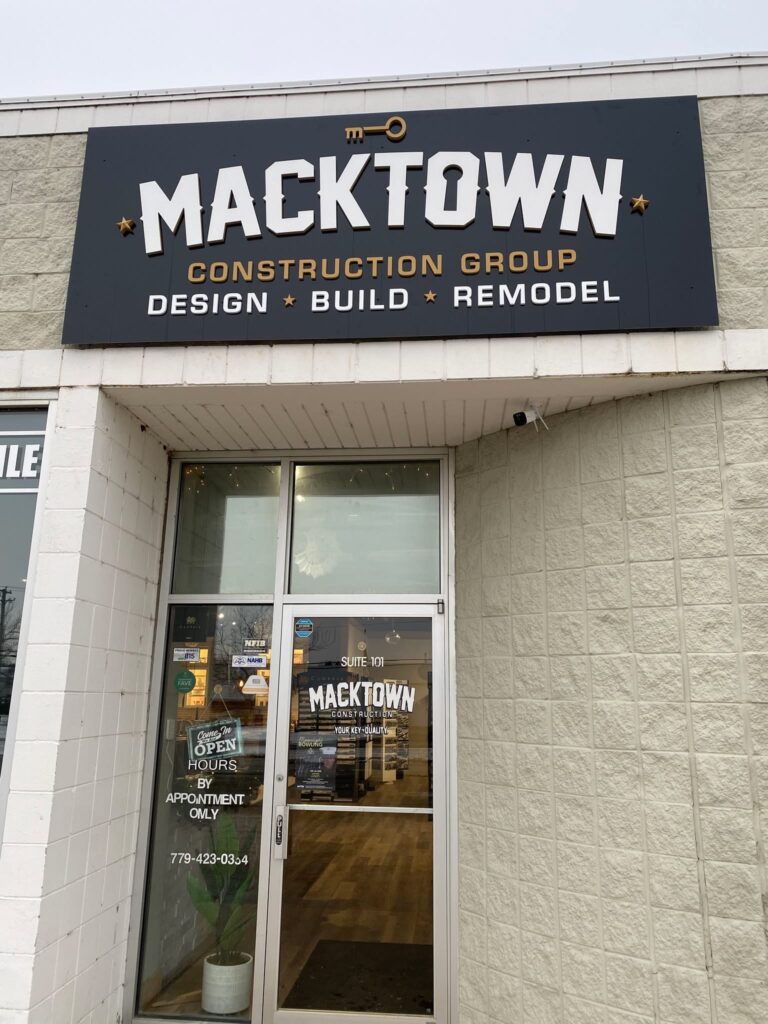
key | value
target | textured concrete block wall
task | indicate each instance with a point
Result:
(612, 640)
(66, 866)
(735, 137)
(39, 193)
(40, 187)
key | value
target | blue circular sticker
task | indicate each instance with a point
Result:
(303, 628)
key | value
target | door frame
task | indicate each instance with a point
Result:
(280, 747)
(282, 602)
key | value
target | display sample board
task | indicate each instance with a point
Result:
(494, 221)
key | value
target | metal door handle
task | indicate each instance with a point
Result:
(280, 834)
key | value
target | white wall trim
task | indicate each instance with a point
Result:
(644, 355)
(733, 74)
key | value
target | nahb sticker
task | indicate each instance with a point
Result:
(249, 661)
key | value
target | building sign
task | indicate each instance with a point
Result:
(495, 221)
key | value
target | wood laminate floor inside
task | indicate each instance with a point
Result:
(348, 878)
(354, 878)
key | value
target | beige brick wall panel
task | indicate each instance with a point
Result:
(732, 114)
(736, 229)
(16, 293)
(6, 184)
(735, 147)
(50, 292)
(743, 267)
(740, 189)
(638, 799)
(35, 256)
(55, 184)
(742, 307)
(22, 221)
(60, 219)
(67, 151)
(31, 330)
(724, 152)
(19, 153)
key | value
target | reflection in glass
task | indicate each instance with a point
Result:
(22, 422)
(227, 533)
(200, 913)
(366, 528)
(361, 712)
(356, 926)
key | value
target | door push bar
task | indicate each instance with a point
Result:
(280, 833)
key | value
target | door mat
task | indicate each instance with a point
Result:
(367, 977)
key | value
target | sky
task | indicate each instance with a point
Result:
(53, 47)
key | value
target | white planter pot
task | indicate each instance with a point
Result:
(227, 987)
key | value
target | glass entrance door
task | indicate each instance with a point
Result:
(352, 917)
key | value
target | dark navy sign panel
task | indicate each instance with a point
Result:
(655, 273)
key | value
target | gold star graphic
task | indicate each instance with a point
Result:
(125, 226)
(639, 204)
(430, 296)
(289, 300)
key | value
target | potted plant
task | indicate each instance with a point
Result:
(219, 897)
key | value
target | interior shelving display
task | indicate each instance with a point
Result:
(388, 756)
(385, 754)
(354, 753)
(403, 742)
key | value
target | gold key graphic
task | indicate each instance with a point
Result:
(394, 128)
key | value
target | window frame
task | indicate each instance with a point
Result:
(282, 601)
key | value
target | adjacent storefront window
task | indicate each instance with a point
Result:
(21, 449)
(366, 528)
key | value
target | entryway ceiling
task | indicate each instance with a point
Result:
(367, 415)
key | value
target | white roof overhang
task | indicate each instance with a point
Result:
(378, 393)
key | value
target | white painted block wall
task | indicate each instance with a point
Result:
(612, 644)
(66, 867)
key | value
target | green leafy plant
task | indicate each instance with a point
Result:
(220, 896)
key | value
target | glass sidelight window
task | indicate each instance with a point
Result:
(200, 913)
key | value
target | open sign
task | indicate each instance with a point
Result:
(215, 739)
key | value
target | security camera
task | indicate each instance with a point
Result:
(529, 415)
